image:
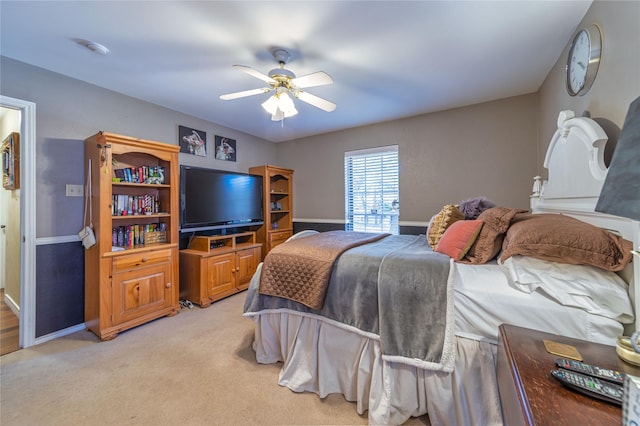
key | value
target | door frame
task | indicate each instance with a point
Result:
(28, 217)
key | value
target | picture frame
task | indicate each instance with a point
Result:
(192, 141)
(225, 148)
(11, 161)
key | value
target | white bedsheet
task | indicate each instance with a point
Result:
(484, 299)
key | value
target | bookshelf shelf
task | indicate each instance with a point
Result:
(141, 216)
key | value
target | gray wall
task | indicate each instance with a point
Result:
(68, 111)
(487, 150)
(617, 82)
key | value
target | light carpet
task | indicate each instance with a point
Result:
(195, 368)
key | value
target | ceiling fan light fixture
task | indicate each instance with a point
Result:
(281, 115)
(271, 104)
(286, 104)
(280, 105)
(278, 116)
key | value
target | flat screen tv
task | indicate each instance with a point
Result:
(217, 199)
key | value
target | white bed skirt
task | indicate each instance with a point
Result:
(323, 358)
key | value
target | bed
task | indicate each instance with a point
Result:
(366, 354)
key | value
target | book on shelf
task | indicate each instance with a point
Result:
(128, 205)
(141, 174)
(129, 236)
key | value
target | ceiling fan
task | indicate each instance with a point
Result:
(285, 85)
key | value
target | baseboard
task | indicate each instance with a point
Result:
(59, 333)
(12, 305)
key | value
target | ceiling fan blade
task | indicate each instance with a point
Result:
(315, 101)
(245, 93)
(254, 73)
(318, 78)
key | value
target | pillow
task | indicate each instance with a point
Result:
(441, 221)
(472, 207)
(564, 239)
(458, 237)
(489, 242)
(585, 287)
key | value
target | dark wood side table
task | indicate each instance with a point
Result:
(530, 396)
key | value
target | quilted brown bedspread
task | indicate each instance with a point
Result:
(300, 269)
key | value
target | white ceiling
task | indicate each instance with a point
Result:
(388, 59)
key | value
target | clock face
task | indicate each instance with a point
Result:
(578, 62)
(583, 60)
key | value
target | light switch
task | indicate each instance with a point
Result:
(75, 190)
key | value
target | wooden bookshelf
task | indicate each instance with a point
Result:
(130, 283)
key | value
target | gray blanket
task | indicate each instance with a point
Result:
(396, 289)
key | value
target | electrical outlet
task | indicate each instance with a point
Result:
(75, 190)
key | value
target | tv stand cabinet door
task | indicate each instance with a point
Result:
(221, 275)
(247, 261)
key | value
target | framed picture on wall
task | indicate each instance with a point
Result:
(192, 141)
(225, 148)
(11, 161)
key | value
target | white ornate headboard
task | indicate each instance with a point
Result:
(576, 173)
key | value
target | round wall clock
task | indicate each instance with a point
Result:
(583, 60)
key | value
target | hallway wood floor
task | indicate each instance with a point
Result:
(9, 328)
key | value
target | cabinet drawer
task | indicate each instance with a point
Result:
(123, 263)
(276, 238)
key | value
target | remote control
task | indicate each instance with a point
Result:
(590, 386)
(591, 370)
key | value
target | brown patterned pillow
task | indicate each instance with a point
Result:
(441, 221)
(489, 242)
(564, 239)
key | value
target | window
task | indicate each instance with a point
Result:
(372, 197)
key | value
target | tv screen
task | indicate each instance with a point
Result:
(217, 199)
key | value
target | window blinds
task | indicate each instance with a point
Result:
(372, 190)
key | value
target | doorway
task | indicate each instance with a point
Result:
(25, 303)
(10, 217)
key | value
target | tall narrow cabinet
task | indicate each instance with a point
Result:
(278, 206)
(131, 273)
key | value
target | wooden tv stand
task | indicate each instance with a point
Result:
(218, 266)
